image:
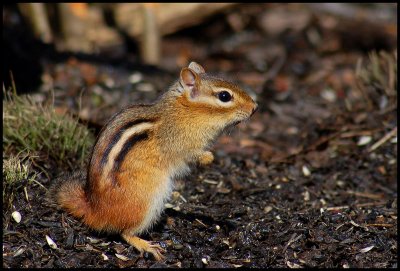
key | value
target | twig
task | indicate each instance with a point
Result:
(358, 133)
(365, 195)
(379, 225)
(383, 140)
(371, 204)
(357, 205)
(292, 239)
(337, 208)
(201, 223)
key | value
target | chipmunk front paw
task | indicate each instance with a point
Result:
(206, 158)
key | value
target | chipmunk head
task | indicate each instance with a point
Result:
(221, 100)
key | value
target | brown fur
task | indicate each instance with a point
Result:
(181, 125)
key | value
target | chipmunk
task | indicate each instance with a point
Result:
(143, 148)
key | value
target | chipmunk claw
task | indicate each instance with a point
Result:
(156, 250)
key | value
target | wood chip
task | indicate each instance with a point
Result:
(104, 244)
(122, 257)
(93, 240)
(19, 251)
(51, 243)
(267, 209)
(364, 250)
(383, 140)
(223, 190)
(210, 181)
(306, 195)
(105, 257)
(293, 265)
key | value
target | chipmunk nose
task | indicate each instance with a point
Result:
(254, 110)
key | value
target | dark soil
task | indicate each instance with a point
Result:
(295, 186)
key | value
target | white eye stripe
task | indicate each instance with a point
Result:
(225, 104)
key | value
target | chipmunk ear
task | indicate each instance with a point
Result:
(196, 67)
(190, 80)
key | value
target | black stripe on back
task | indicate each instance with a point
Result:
(127, 147)
(117, 137)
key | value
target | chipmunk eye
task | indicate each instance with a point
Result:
(224, 96)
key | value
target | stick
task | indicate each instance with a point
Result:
(357, 205)
(383, 140)
(380, 225)
(365, 195)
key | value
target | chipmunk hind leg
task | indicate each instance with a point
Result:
(143, 245)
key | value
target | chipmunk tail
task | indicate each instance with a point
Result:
(68, 193)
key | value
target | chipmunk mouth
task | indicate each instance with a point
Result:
(236, 123)
(243, 116)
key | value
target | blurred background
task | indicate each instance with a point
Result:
(103, 46)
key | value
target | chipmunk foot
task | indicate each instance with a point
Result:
(145, 246)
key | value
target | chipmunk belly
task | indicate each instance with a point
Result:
(162, 188)
(158, 196)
